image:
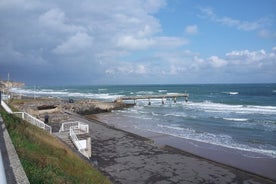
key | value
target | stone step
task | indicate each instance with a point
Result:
(65, 138)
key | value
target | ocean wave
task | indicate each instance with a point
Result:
(144, 92)
(34, 91)
(235, 119)
(173, 93)
(102, 89)
(232, 93)
(176, 114)
(64, 93)
(208, 106)
(162, 90)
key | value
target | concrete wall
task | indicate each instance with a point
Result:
(13, 169)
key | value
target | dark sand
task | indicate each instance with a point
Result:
(129, 158)
(251, 162)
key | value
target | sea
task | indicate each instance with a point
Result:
(238, 117)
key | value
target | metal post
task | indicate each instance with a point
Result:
(0, 96)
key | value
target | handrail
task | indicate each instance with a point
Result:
(6, 107)
(75, 139)
(83, 127)
(75, 128)
(37, 122)
(3, 178)
(28, 117)
(66, 126)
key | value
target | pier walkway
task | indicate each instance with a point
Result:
(161, 96)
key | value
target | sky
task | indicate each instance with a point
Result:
(93, 42)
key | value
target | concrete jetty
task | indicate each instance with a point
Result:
(161, 96)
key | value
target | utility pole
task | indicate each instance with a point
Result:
(8, 81)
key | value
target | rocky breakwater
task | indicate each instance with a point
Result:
(86, 107)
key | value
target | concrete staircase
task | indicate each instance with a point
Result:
(64, 136)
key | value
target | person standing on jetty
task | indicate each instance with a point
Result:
(46, 119)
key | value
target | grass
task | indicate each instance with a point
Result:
(45, 159)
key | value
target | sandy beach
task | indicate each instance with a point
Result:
(126, 157)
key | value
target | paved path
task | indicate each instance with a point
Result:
(127, 158)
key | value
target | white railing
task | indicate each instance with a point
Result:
(37, 122)
(75, 128)
(78, 127)
(81, 145)
(75, 139)
(3, 178)
(29, 118)
(6, 107)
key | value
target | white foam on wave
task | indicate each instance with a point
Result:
(235, 119)
(63, 93)
(176, 114)
(173, 93)
(162, 90)
(102, 89)
(144, 92)
(215, 139)
(48, 92)
(231, 93)
(208, 106)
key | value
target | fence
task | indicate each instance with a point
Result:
(78, 127)
(75, 128)
(6, 107)
(75, 139)
(29, 118)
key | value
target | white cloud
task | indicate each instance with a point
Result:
(131, 43)
(217, 62)
(124, 68)
(191, 29)
(56, 20)
(246, 56)
(187, 64)
(113, 38)
(231, 22)
(76, 43)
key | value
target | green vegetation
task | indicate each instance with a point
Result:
(45, 159)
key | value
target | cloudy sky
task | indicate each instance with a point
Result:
(62, 42)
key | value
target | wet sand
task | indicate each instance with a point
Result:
(251, 162)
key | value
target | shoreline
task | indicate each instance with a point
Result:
(247, 161)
